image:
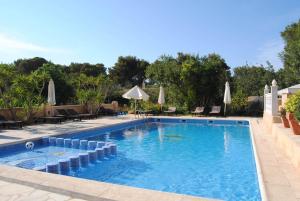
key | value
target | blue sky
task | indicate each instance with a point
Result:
(99, 31)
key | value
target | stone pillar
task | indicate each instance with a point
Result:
(274, 92)
(266, 91)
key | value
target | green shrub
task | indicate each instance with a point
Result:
(293, 104)
(239, 103)
(254, 108)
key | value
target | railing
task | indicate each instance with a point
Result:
(271, 99)
(268, 103)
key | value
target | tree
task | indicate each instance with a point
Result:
(128, 71)
(7, 100)
(204, 79)
(250, 80)
(92, 90)
(190, 80)
(27, 66)
(27, 92)
(87, 69)
(291, 53)
(64, 91)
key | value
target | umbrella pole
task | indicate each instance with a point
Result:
(225, 110)
(135, 108)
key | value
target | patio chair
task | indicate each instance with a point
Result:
(171, 110)
(83, 115)
(9, 123)
(198, 111)
(215, 110)
(66, 115)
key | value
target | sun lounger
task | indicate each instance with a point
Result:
(50, 120)
(215, 110)
(84, 116)
(10, 124)
(198, 111)
(104, 111)
(66, 115)
(171, 110)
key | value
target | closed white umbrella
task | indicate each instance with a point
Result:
(51, 94)
(227, 96)
(136, 93)
(161, 97)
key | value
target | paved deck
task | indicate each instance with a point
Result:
(36, 131)
(280, 178)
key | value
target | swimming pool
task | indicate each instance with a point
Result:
(197, 157)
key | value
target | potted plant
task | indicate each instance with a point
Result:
(283, 117)
(292, 107)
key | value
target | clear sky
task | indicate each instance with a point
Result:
(98, 31)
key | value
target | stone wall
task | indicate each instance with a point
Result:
(47, 110)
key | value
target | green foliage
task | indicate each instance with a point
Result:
(251, 80)
(293, 103)
(291, 53)
(188, 80)
(128, 71)
(64, 91)
(238, 103)
(191, 80)
(27, 66)
(87, 69)
(152, 106)
(92, 90)
(27, 92)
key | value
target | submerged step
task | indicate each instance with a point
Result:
(93, 151)
(92, 156)
(92, 145)
(84, 159)
(60, 142)
(74, 162)
(52, 168)
(75, 143)
(67, 143)
(83, 144)
(64, 166)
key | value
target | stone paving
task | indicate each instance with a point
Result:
(281, 179)
(36, 131)
(18, 192)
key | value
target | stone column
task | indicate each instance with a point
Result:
(274, 92)
(266, 91)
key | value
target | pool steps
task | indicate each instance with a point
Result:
(95, 151)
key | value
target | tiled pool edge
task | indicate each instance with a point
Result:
(257, 165)
(87, 189)
(71, 132)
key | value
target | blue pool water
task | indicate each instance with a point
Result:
(200, 159)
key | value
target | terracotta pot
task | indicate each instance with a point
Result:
(295, 126)
(290, 115)
(285, 122)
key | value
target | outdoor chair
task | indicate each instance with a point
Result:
(171, 110)
(66, 115)
(9, 123)
(215, 110)
(83, 115)
(198, 111)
